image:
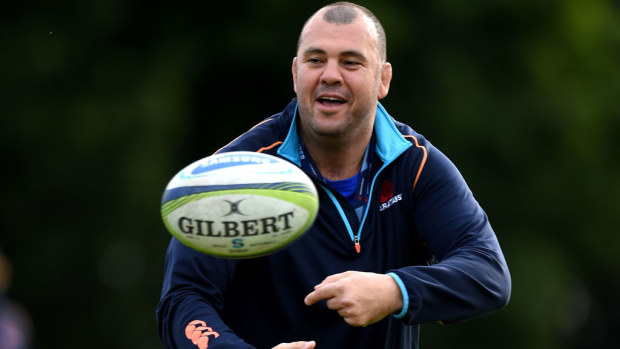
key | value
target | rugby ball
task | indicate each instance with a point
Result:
(239, 204)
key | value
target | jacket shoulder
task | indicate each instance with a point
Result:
(410, 134)
(265, 135)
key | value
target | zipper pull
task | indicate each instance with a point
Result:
(358, 247)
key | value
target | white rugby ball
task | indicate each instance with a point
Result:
(239, 204)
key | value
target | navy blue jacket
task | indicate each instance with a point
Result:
(422, 226)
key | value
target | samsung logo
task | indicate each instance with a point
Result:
(217, 162)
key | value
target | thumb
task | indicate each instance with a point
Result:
(310, 345)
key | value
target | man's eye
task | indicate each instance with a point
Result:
(314, 60)
(351, 63)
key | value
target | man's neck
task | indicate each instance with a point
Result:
(338, 160)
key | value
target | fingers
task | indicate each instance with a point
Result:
(297, 345)
(360, 298)
(336, 297)
(309, 345)
(334, 278)
(321, 292)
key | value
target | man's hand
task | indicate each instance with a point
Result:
(296, 345)
(360, 298)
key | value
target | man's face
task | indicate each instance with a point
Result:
(338, 77)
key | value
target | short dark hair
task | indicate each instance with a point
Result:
(344, 12)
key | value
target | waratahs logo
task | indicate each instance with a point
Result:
(226, 160)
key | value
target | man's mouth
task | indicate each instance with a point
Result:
(331, 101)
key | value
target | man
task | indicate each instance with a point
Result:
(390, 204)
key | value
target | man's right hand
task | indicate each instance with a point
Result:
(296, 345)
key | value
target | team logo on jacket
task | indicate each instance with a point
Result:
(386, 195)
(198, 332)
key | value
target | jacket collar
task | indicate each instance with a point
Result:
(390, 142)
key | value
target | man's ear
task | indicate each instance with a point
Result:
(294, 71)
(386, 78)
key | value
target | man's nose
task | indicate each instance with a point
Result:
(331, 73)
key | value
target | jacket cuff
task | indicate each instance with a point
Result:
(404, 293)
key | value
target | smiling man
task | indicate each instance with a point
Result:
(339, 75)
(399, 239)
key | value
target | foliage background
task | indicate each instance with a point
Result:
(103, 101)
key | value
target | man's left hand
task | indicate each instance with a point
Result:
(361, 298)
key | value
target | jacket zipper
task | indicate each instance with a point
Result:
(354, 237)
